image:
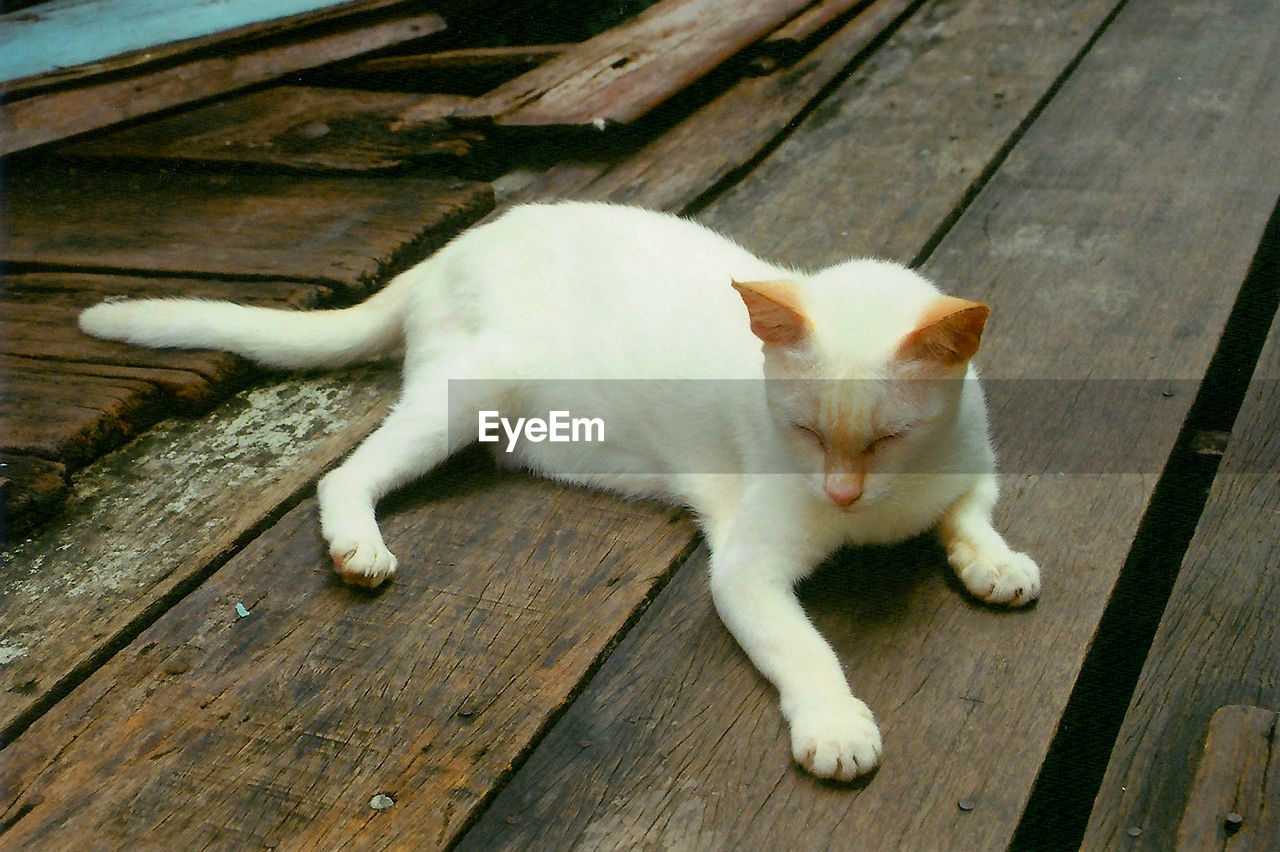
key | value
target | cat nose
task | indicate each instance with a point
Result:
(843, 489)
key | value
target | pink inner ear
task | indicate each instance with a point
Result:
(949, 333)
(773, 320)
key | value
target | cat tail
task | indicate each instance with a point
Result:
(275, 337)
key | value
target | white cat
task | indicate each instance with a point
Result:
(868, 398)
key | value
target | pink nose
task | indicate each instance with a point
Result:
(843, 489)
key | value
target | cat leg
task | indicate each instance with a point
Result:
(414, 438)
(989, 568)
(833, 734)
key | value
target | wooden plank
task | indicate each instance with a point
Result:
(788, 43)
(343, 231)
(72, 39)
(300, 128)
(79, 290)
(673, 169)
(292, 715)
(676, 741)
(1217, 643)
(145, 521)
(1232, 803)
(626, 71)
(510, 59)
(47, 117)
(30, 489)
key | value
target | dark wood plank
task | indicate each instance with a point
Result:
(345, 231)
(82, 289)
(676, 741)
(146, 520)
(1218, 642)
(295, 719)
(626, 71)
(511, 59)
(296, 127)
(673, 169)
(788, 43)
(1233, 801)
(30, 489)
(74, 45)
(47, 117)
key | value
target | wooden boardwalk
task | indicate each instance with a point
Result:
(180, 668)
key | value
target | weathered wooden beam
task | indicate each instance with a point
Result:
(299, 128)
(623, 73)
(43, 118)
(343, 231)
(515, 58)
(791, 41)
(30, 489)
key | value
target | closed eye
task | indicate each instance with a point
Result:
(884, 441)
(811, 434)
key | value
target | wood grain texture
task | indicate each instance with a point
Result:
(296, 127)
(626, 71)
(1233, 803)
(30, 489)
(151, 517)
(910, 133)
(277, 728)
(1084, 215)
(673, 169)
(1218, 642)
(346, 232)
(60, 114)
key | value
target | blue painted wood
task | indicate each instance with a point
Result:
(68, 33)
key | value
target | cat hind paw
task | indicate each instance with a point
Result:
(1008, 579)
(838, 741)
(364, 564)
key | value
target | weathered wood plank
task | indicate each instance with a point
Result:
(47, 117)
(788, 43)
(513, 58)
(343, 231)
(30, 489)
(296, 717)
(672, 170)
(1218, 641)
(149, 518)
(675, 741)
(64, 41)
(82, 289)
(626, 71)
(1232, 803)
(297, 127)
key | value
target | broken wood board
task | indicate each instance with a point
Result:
(346, 232)
(1217, 643)
(265, 677)
(471, 70)
(143, 524)
(299, 128)
(65, 41)
(672, 170)
(1233, 803)
(625, 72)
(59, 114)
(677, 741)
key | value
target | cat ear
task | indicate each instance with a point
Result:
(775, 319)
(948, 334)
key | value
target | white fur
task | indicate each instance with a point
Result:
(588, 291)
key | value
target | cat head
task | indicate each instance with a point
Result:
(864, 365)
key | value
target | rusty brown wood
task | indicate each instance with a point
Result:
(343, 231)
(623, 73)
(43, 118)
(299, 128)
(295, 718)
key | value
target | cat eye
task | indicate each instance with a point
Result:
(812, 435)
(883, 441)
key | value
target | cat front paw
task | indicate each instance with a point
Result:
(836, 739)
(1007, 578)
(363, 563)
